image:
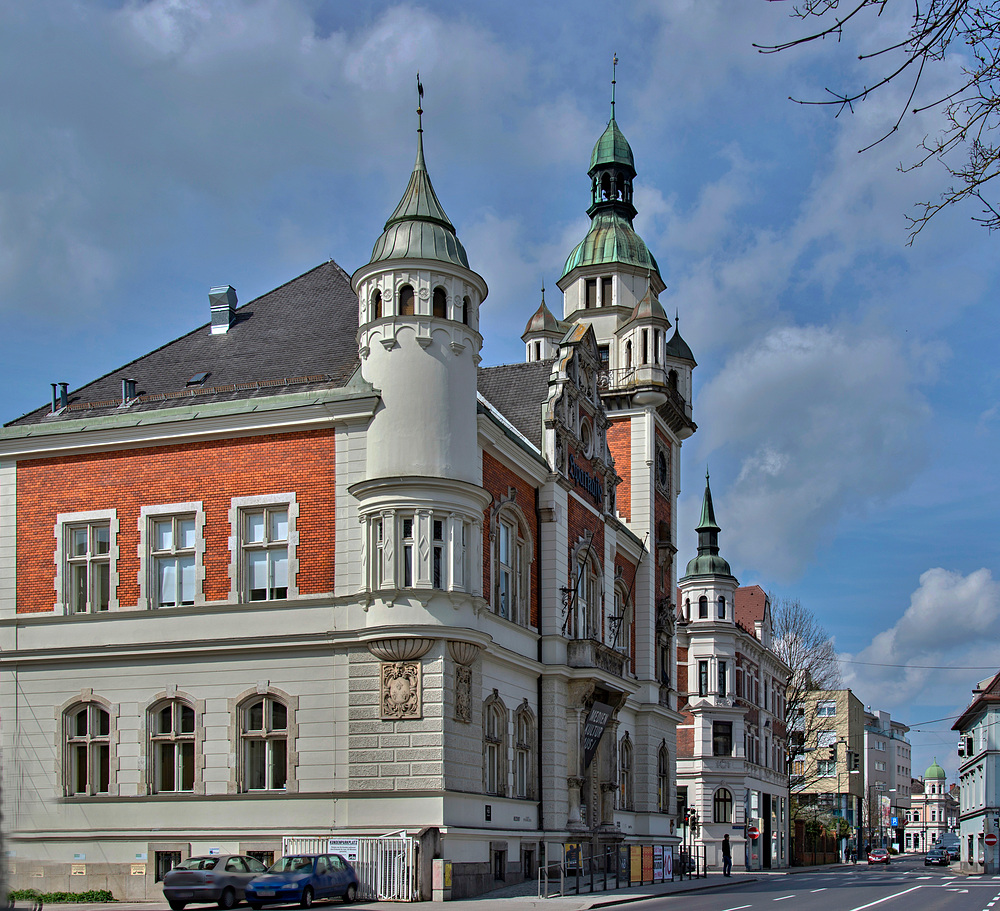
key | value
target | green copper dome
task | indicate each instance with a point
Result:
(611, 239)
(612, 148)
(708, 562)
(419, 228)
(934, 771)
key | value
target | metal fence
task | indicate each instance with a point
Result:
(386, 864)
(584, 868)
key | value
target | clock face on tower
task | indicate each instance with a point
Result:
(662, 469)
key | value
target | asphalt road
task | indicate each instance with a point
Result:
(906, 885)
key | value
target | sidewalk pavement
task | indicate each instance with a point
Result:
(515, 898)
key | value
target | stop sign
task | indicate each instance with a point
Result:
(753, 832)
(991, 839)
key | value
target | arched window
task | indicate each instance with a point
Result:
(495, 746)
(656, 346)
(512, 555)
(703, 608)
(465, 310)
(440, 303)
(524, 750)
(645, 346)
(620, 629)
(626, 797)
(722, 806)
(172, 746)
(687, 608)
(586, 615)
(606, 186)
(722, 608)
(263, 744)
(672, 380)
(628, 355)
(663, 780)
(376, 304)
(406, 301)
(87, 731)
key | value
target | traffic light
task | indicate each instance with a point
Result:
(855, 760)
(833, 753)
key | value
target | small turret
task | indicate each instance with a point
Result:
(542, 334)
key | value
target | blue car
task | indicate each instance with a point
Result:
(302, 878)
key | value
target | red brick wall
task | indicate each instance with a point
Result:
(212, 472)
(498, 479)
(620, 444)
(685, 740)
(682, 671)
(662, 512)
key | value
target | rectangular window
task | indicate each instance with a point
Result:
(88, 567)
(591, 301)
(604, 353)
(702, 678)
(173, 558)
(722, 678)
(606, 291)
(879, 766)
(378, 549)
(437, 555)
(407, 540)
(164, 862)
(826, 767)
(506, 580)
(826, 738)
(265, 552)
(722, 738)
(826, 709)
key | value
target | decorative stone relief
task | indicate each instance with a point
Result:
(400, 690)
(463, 654)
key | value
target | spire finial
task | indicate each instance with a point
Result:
(420, 110)
(614, 72)
(543, 291)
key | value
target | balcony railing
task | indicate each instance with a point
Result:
(591, 653)
(641, 376)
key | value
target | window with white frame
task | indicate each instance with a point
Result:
(171, 555)
(423, 548)
(626, 773)
(86, 558)
(826, 738)
(620, 630)
(722, 669)
(172, 744)
(87, 729)
(495, 746)
(263, 546)
(826, 708)
(825, 767)
(524, 739)
(722, 806)
(585, 617)
(264, 744)
(511, 561)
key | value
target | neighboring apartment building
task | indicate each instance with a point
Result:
(731, 744)
(933, 812)
(979, 775)
(827, 772)
(887, 780)
(310, 570)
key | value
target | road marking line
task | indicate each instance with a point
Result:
(880, 900)
(783, 897)
(818, 890)
(739, 908)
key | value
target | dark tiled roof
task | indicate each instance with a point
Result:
(299, 336)
(517, 391)
(751, 603)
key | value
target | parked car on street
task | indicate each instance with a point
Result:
(937, 856)
(220, 878)
(302, 878)
(878, 856)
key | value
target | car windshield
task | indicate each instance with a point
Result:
(198, 863)
(293, 864)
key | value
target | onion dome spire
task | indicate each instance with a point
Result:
(419, 227)
(676, 346)
(708, 561)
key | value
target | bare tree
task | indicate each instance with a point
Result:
(802, 643)
(967, 146)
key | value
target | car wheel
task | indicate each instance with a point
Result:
(307, 897)
(228, 898)
(176, 906)
(351, 893)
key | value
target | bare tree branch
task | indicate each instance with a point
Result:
(966, 147)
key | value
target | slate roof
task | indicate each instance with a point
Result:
(299, 336)
(751, 601)
(517, 391)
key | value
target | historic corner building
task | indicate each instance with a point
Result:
(311, 570)
(731, 740)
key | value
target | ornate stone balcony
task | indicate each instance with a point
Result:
(591, 653)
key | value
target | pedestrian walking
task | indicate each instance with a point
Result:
(727, 856)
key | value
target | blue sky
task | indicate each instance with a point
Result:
(847, 393)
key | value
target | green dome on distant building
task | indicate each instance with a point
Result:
(709, 562)
(934, 771)
(611, 239)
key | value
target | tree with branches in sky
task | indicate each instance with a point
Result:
(967, 145)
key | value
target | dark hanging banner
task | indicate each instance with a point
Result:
(593, 730)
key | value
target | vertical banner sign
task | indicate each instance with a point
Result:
(668, 862)
(635, 862)
(593, 730)
(658, 863)
(623, 863)
(647, 863)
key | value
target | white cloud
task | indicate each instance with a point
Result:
(822, 423)
(930, 655)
